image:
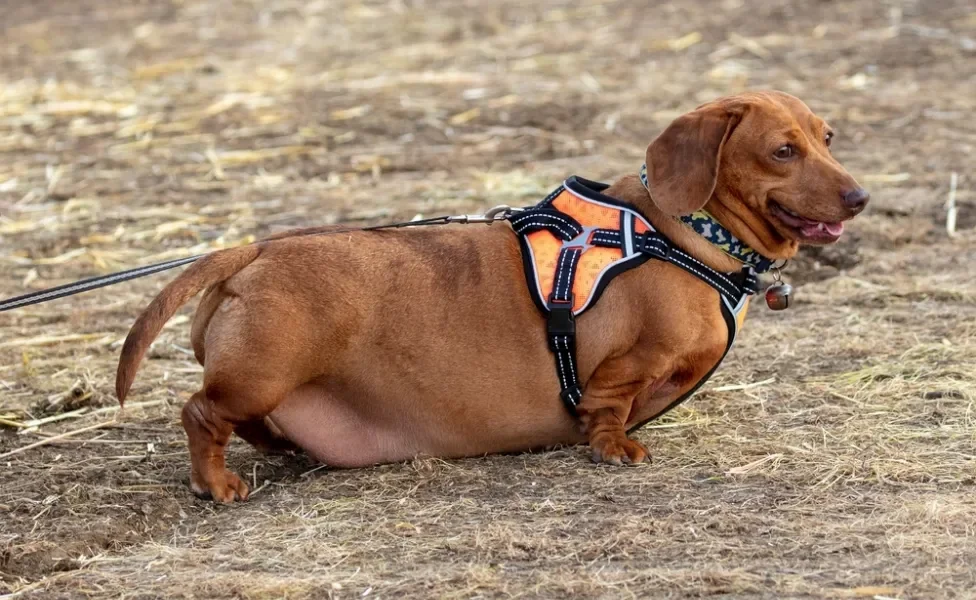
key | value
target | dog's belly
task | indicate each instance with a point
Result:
(345, 429)
(333, 432)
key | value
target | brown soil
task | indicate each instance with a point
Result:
(133, 132)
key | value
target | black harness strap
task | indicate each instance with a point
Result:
(559, 224)
(659, 247)
(561, 326)
(561, 319)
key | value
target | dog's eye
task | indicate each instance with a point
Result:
(828, 137)
(784, 152)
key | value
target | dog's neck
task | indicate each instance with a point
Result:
(750, 228)
(630, 189)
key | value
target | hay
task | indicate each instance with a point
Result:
(832, 455)
(56, 438)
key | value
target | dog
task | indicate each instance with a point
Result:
(372, 347)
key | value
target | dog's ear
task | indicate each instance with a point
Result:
(683, 162)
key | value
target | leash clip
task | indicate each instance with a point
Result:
(496, 213)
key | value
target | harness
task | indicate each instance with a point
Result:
(576, 241)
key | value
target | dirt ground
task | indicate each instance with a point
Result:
(832, 456)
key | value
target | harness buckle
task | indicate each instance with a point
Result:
(561, 321)
(571, 397)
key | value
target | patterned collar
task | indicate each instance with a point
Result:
(709, 228)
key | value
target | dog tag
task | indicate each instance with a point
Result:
(778, 296)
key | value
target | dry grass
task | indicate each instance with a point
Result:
(151, 130)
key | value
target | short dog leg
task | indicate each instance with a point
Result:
(604, 409)
(208, 435)
(609, 441)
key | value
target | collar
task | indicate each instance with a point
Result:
(709, 228)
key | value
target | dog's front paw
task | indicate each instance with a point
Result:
(618, 450)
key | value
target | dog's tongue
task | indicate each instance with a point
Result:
(822, 229)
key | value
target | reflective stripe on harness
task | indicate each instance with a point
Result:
(561, 325)
(577, 240)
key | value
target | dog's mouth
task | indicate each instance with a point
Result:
(807, 230)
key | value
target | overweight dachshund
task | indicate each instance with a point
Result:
(378, 346)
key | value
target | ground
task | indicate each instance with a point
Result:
(833, 455)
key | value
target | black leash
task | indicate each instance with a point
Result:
(92, 283)
(497, 213)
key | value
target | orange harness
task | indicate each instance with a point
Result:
(576, 241)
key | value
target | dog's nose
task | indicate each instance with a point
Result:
(856, 199)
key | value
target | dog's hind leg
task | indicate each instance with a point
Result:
(248, 373)
(209, 418)
(257, 347)
(208, 433)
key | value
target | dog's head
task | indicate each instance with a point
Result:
(765, 158)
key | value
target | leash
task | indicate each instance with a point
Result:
(498, 213)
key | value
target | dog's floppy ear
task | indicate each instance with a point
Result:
(683, 162)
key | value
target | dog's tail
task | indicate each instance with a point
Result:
(205, 272)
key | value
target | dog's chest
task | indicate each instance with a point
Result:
(694, 368)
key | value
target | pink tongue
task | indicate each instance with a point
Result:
(831, 229)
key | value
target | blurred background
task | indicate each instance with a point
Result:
(831, 456)
(238, 117)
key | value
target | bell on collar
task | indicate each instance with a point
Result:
(779, 295)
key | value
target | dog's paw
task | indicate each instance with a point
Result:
(619, 450)
(225, 488)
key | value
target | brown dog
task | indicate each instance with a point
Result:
(372, 347)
